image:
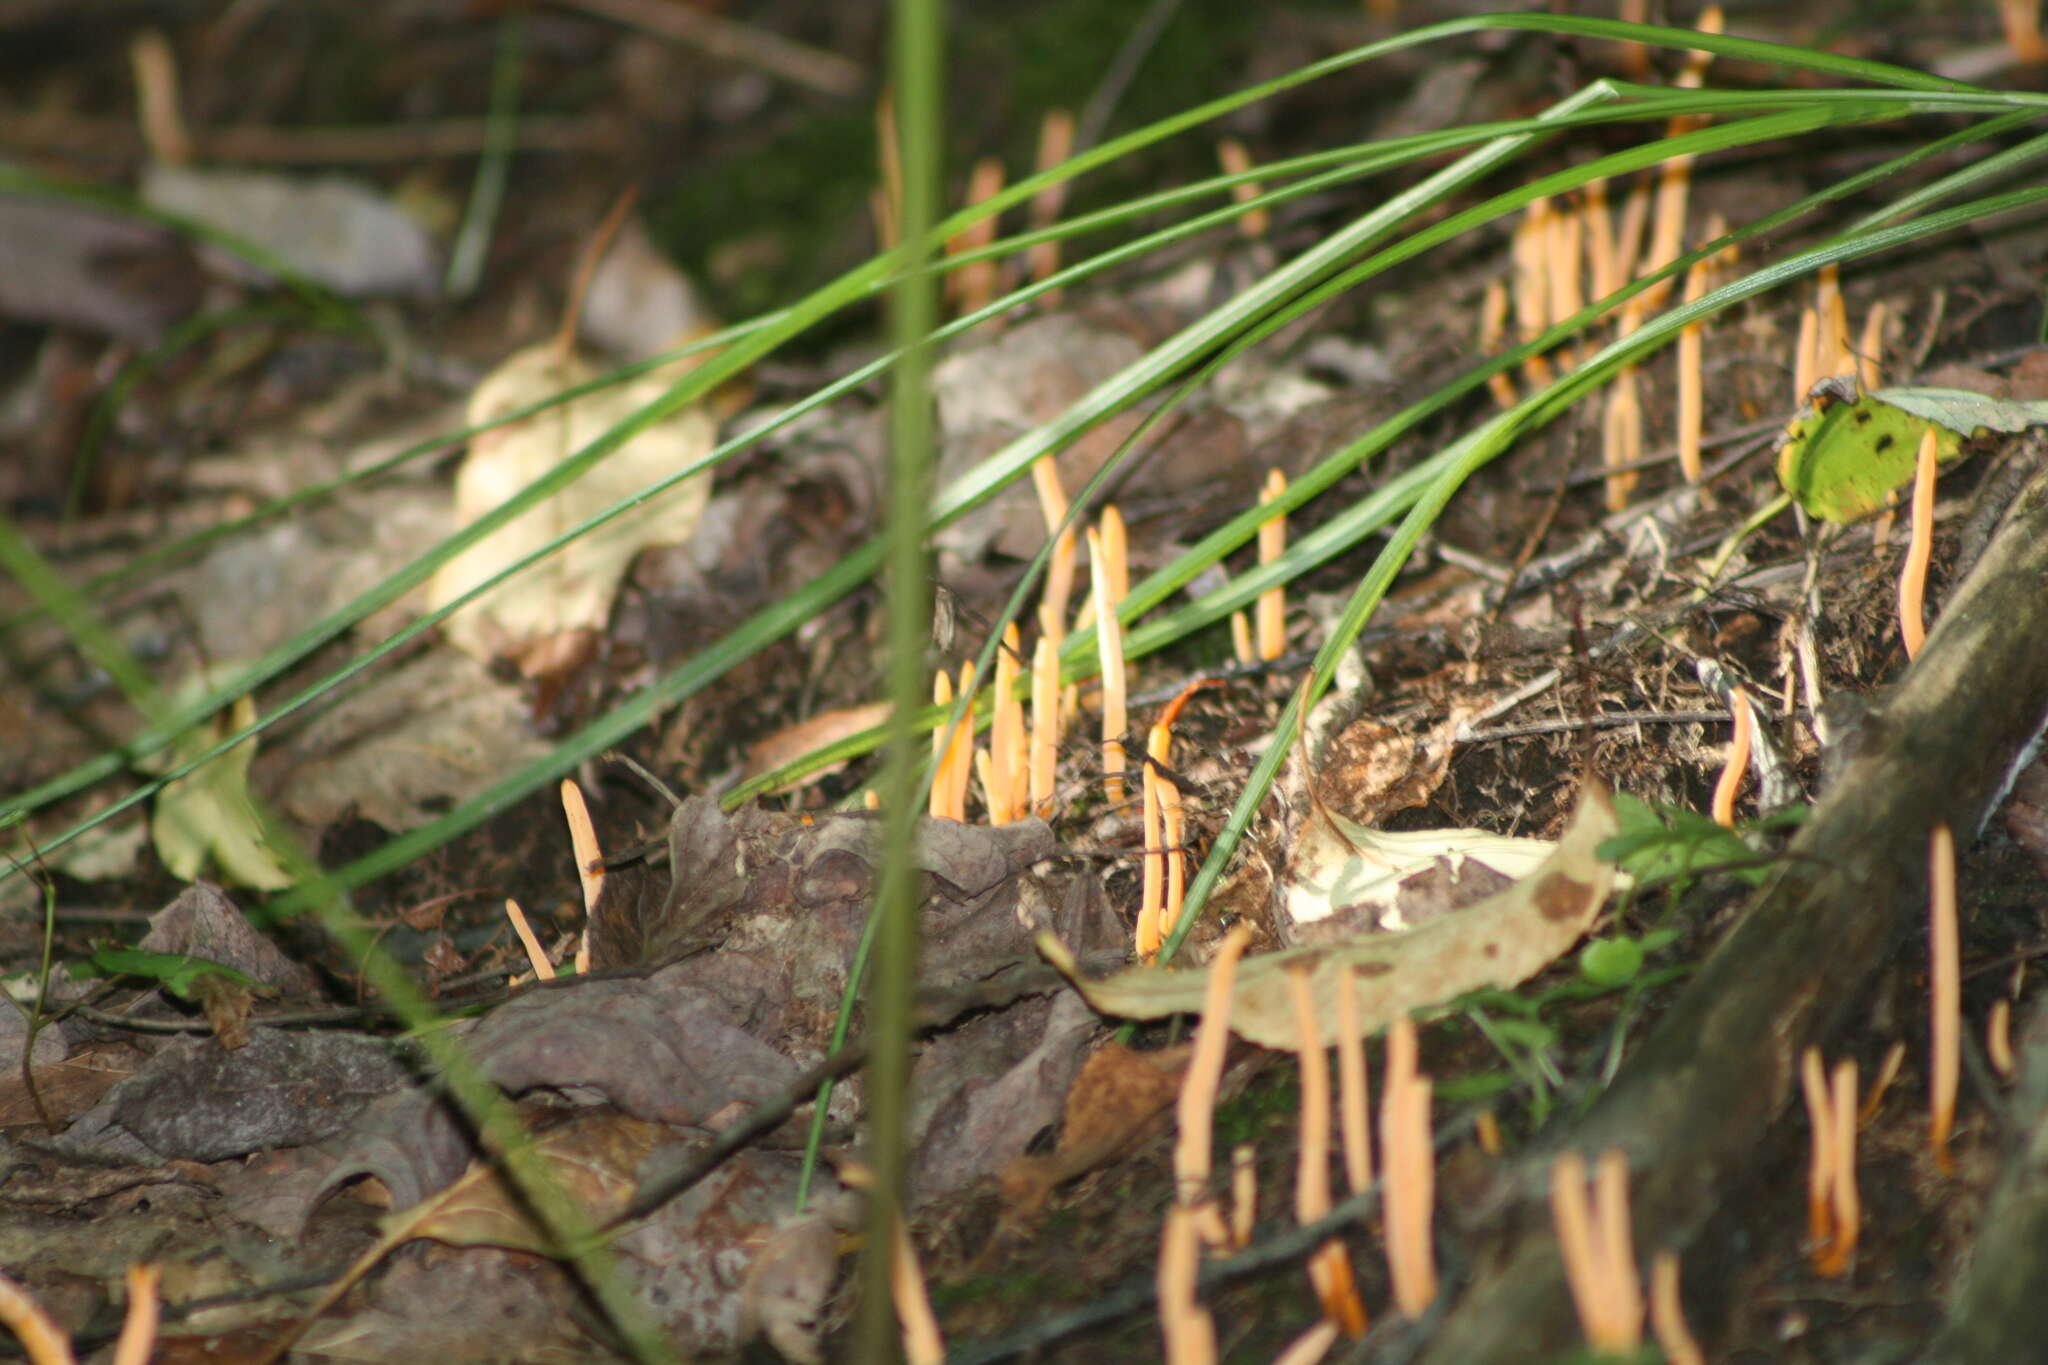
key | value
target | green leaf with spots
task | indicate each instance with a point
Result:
(1842, 459)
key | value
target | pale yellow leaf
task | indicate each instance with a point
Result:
(573, 588)
(1499, 942)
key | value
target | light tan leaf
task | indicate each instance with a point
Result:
(573, 588)
(1499, 942)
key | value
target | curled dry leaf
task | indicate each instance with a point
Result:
(1499, 942)
(571, 590)
(1344, 879)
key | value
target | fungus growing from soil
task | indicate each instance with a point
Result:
(1598, 1250)
(1409, 1184)
(1913, 575)
(1945, 968)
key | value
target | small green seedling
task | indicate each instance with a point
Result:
(1661, 843)
(1611, 963)
(182, 976)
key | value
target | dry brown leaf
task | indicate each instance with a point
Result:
(66, 1088)
(1118, 1092)
(1499, 942)
(591, 1160)
(794, 741)
(571, 590)
(1373, 769)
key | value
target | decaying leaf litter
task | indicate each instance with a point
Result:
(722, 966)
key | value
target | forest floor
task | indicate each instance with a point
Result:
(1541, 637)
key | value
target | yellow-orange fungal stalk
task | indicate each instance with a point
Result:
(1805, 356)
(1173, 826)
(1493, 328)
(1045, 725)
(2021, 22)
(40, 1336)
(871, 799)
(1006, 745)
(1353, 1103)
(887, 199)
(1667, 1315)
(1621, 438)
(1330, 1266)
(1116, 549)
(1611, 1222)
(1235, 160)
(1595, 1243)
(1159, 753)
(1919, 549)
(1563, 238)
(1109, 644)
(1329, 1272)
(1628, 233)
(922, 1344)
(1059, 573)
(1833, 354)
(1998, 1039)
(1844, 1203)
(1887, 1072)
(1946, 1029)
(1055, 144)
(1487, 1129)
(1635, 57)
(1241, 639)
(1567, 242)
(154, 66)
(1820, 1165)
(1312, 1345)
(1312, 1171)
(936, 801)
(1599, 239)
(1244, 1194)
(1571, 1215)
(1409, 1185)
(1152, 892)
(991, 785)
(1272, 605)
(960, 757)
(1730, 784)
(139, 1323)
(1528, 248)
(1189, 1331)
(538, 959)
(1692, 407)
(1197, 1103)
(1870, 348)
(589, 863)
(973, 286)
(1674, 180)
